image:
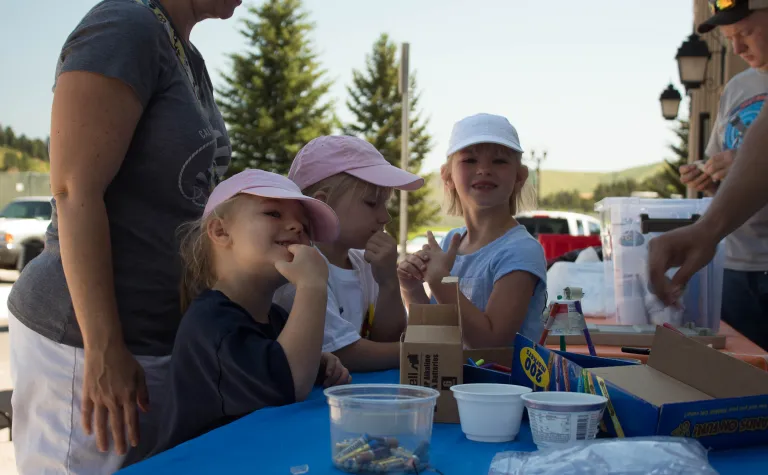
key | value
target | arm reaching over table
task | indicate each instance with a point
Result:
(741, 194)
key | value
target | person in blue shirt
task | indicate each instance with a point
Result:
(235, 351)
(501, 267)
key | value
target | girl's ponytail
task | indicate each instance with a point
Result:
(195, 250)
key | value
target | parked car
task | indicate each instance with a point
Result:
(559, 222)
(417, 242)
(23, 223)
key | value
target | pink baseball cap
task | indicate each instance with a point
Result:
(333, 154)
(324, 224)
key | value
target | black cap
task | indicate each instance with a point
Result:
(729, 16)
(739, 11)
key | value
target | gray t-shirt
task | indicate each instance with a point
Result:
(740, 103)
(179, 151)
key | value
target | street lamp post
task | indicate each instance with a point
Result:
(403, 84)
(692, 59)
(670, 102)
(538, 159)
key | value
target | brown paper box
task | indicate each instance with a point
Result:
(432, 354)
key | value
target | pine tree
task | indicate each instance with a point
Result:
(375, 104)
(667, 181)
(274, 98)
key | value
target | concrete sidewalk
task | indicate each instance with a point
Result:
(7, 460)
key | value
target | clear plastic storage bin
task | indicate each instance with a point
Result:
(381, 428)
(627, 225)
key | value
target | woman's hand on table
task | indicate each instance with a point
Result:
(335, 373)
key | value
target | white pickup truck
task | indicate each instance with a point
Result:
(23, 223)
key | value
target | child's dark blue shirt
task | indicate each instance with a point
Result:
(224, 365)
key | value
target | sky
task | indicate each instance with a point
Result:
(580, 79)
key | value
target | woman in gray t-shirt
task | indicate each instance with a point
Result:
(137, 142)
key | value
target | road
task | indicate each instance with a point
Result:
(7, 278)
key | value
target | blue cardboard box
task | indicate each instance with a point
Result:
(687, 389)
(542, 369)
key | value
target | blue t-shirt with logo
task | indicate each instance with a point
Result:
(516, 250)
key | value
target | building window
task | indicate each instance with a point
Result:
(705, 127)
(723, 51)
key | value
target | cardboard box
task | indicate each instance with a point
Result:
(542, 369)
(432, 354)
(687, 389)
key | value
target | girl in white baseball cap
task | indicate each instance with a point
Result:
(501, 267)
(365, 315)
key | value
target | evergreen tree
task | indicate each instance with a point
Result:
(274, 98)
(667, 181)
(375, 104)
(10, 137)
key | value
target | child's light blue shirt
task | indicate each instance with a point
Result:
(516, 250)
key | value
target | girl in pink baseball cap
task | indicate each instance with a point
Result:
(365, 315)
(235, 350)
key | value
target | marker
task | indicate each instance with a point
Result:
(480, 362)
(471, 362)
(635, 351)
(587, 336)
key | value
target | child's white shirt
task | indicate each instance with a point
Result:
(350, 293)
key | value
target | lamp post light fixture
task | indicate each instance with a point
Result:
(670, 102)
(692, 58)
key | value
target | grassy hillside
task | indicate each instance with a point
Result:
(33, 164)
(552, 182)
(561, 180)
(585, 182)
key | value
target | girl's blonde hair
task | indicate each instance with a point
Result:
(523, 196)
(196, 251)
(338, 185)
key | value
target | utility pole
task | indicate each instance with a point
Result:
(538, 161)
(403, 84)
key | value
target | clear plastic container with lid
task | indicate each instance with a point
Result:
(627, 225)
(381, 428)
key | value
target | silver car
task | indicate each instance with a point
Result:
(23, 223)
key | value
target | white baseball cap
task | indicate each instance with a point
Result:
(483, 128)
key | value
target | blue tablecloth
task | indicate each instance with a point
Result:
(273, 440)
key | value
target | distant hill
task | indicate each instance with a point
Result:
(562, 180)
(554, 181)
(20, 161)
(585, 182)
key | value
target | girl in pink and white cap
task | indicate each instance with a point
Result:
(236, 351)
(365, 315)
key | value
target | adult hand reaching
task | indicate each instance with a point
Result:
(690, 248)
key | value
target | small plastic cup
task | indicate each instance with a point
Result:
(561, 418)
(490, 412)
(381, 428)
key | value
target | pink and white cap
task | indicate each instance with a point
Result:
(333, 154)
(324, 224)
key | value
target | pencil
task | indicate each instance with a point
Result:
(552, 312)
